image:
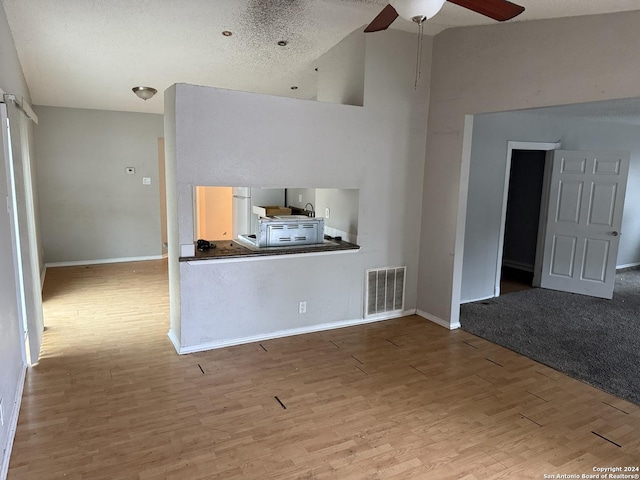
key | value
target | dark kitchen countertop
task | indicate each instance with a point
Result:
(229, 249)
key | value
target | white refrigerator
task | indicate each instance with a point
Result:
(243, 200)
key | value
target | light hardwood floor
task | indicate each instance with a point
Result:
(404, 398)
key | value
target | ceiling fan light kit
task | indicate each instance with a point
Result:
(420, 10)
(417, 10)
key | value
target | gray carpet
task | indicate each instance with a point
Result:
(593, 340)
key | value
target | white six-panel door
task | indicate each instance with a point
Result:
(586, 199)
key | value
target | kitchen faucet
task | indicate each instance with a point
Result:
(313, 213)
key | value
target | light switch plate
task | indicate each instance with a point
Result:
(130, 170)
(146, 180)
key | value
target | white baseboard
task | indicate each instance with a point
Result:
(182, 350)
(174, 340)
(525, 267)
(42, 275)
(13, 425)
(628, 265)
(478, 299)
(391, 315)
(438, 320)
(103, 260)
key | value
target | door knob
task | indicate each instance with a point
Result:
(615, 234)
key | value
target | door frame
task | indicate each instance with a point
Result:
(162, 183)
(15, 234)
(511, 146)
(27, 257)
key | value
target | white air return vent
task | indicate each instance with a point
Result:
(384, 291)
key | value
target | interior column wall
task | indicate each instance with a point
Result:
(260, 140)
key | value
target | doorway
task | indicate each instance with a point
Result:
(526, 179)
(214, 217)
(521, 236)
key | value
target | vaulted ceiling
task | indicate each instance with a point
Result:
(89, 54)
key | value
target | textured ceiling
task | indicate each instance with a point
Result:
(89, 53)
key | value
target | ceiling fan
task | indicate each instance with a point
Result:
(420, 10)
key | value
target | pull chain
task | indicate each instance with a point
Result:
(419, 49)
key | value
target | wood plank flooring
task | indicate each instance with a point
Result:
(401, 399)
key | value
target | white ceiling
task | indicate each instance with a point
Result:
(90, 53)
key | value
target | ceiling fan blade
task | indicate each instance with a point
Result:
(499, 10)
(383, 20)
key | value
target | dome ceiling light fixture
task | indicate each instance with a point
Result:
(145, 93)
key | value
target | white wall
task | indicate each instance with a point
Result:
(491, 133)
(343, 208)
(12, 370)
(341, 74)
(233, 138)
(308, 196)
(499, 68)
(90, 209)
(11, 75)
(170, 153)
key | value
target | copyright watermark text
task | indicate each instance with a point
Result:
(599, 473)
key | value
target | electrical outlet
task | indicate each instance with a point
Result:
(146, 180)
(300, 198)
(302, 307)
(327, 212)
(1, 412)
